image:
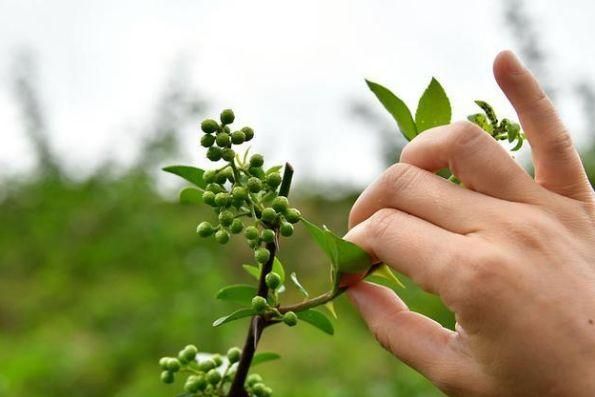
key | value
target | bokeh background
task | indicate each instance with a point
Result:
(100, 270)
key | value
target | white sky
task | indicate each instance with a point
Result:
(289, 69)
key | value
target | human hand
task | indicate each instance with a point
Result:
(513, 257)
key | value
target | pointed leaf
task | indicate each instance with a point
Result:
(241, 293)
(321, 237)
(433, 108)
(252, 270)
(190, 195)
(278, 268)
(264, 357)
(330, 306)
(385, 272)
(191, 174)
(317, 319)
(299, 286)
(234, 316)
(397, 108)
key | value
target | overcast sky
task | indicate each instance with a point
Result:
(289, 69)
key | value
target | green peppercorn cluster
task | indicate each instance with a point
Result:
(504, 129)
(244, 195)
(210, 376)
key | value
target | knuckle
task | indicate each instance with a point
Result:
(534, 231)
(399, 177)
(484, 275)
(379, 223)
(467, 135)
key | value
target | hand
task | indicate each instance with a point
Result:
(513, 257)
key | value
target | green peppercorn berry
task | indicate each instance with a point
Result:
(273, 280)
(217, 359)
(236, 226)
(226, 218)
(267, 235)
(262, 255)
(268, 215)
(257, 172)
(254, 185)
(293, 215)
(208, 198)
(253, 244)
(286, 229)
(223, 139)
(228, 154)
(253, 379)
(222, 236)
(273, 179)
(227, 172)
(215, 188)
(195, 383)
(213, 377)
(248, 133)
(209, 126)
(251, 233)
(234, 354)
(173, 365)
(280, 204)
(227, 116)
(259, 304)
(214, 153)
(167, 377)
(189, 352)
(256, 160)
(206, 365)
(290, 318)
(237, 203)
(238, 137)
(205, 229)
(259, 390)
(222, 199)
(221, 177)
(209, 176)
(207, 140)
(239, 193)
(163, 361)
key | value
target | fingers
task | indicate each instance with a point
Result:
(412, 246)
(557, 164)
(422, 194)
(474, 157)
(417, 340)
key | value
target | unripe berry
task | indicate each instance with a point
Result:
(222, 236)
(206, 365)
(213, 377)
(222, 199)
(262, 255)
(173, 365)
(267, 235)
(227, 116)
(290, 318)
(228, 154)
(204, 229)
(195, 383)
(209, 126)
(217, 359)
(256, 171)
(256, 160)
(293, 215)
(253, 379)
(215, 188)
(280, 204)
(238, 137)
(259, 304)
(226, 218)
(251, 233)
(228, 172)
(273, 180)
(286, 229)
(236, 226)
(254, 185)
(207, 140)
(273, 280)
(259, 390)
(221, 177)
(239, 193)
(234, 354)
(223, 139)
(163, 361)
(209, 176)
(268, 215)
(214, 153)
(209, 198)
(226, 129)
(190, 352)
(248, 133)
(167, 377)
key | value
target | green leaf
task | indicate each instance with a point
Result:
(317, 319)
(330, 306)
(190, 195)
(234, 316)
(241, 293)
(385, 272)
(275, 168)
(252, 270)
(279, 269)
(433, 108)
(264, 357)
(299, 286)
(191, 174)
(397, 108)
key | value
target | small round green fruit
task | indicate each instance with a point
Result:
(207, 140)
(248, 133)
(209, 126)
(293, 215)
(290, 318)
(262, 255)
(227, 116)
(259, 304)
(267, 235)
(273, 280)
(205, 229)
(234, 354)
(286, 229)
(226, 217)
(254, 184)
(251, 233)
(223, 139)
(280, 204)
(238, 137)
(236, 226)
(167, 377)
(213, 377)
(222, 236)
(256, 160)
(273, 179)
(268, 215)
(214, 153)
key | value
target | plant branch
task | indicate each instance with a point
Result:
(286, 181)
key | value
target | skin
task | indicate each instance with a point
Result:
(513, 257)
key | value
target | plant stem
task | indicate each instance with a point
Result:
(310, 303)
(286, 181)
